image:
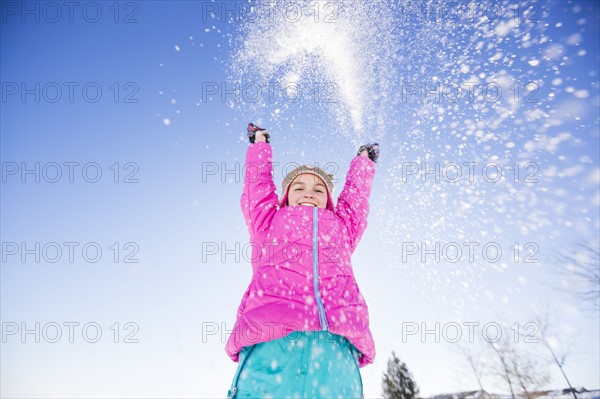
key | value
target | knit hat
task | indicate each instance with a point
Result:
(314, 170)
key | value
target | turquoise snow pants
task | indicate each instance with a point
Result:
(304, 364)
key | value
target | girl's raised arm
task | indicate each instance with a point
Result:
(353, 202)
(259, 197)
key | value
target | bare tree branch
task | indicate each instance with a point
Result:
(474, 364)
(543, 321)
(581, 267)
(517, 366)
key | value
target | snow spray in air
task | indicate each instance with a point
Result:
(476, 117)
(347, 46)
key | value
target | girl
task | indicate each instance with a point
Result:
(302, 328)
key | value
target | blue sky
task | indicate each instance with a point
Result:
(165, 135)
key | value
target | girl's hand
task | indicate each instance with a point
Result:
(261, 137)
(256, 133)
(369, 150)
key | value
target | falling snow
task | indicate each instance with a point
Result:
(512, 115)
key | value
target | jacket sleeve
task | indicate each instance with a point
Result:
(259, 198)
(353, 202)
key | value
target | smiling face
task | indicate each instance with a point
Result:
(307, 190)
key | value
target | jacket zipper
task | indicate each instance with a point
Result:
(315, 252)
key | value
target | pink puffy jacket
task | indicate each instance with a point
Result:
(302, 276)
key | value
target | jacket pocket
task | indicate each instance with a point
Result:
(349, 295)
